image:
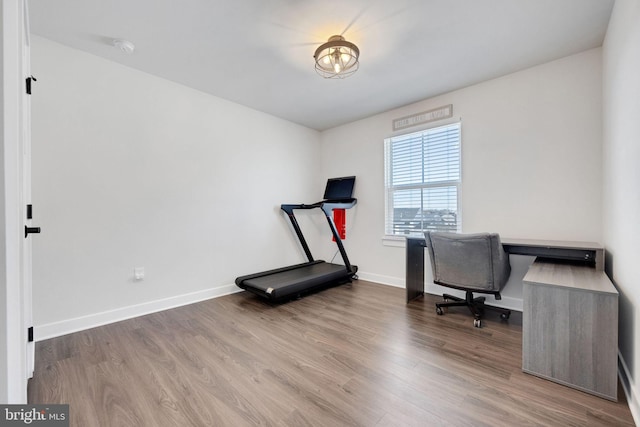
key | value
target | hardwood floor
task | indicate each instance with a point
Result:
(352, 355)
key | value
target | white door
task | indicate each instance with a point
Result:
(26, 196)
(14, 346)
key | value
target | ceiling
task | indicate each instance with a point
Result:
(259, 53)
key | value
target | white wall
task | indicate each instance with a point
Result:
(621, 201)
(130, 170)
(531, 155)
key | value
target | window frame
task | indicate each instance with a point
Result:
(389, 189)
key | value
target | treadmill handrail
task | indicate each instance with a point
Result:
(324, 204)
(327, 207)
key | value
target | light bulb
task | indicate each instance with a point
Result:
(337, 65)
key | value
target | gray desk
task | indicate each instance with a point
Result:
(570, 311)
(587, 252)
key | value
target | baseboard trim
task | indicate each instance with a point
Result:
(629, 388)
(64, 327)
(383, 280)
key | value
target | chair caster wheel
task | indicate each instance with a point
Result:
(504, 316)
(354, 277)
(439, 311)
(477, 323)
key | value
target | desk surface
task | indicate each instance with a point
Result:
(569, 276)
(551, 243)
(565, 244)
(553, 249)
(590, 252)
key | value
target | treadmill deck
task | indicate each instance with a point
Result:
(294, 280)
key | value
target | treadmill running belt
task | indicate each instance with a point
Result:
(295, 280)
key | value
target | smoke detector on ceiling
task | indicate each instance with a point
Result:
(124, 45)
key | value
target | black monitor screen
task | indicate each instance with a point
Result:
(339, 188)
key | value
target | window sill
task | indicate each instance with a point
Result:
(394, 241)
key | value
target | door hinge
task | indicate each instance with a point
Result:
(30, 334)
(29, 79)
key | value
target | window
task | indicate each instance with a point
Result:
(422, 180)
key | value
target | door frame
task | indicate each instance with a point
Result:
(13, 336)
(27, 247)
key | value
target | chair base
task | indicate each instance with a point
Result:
(476, 306)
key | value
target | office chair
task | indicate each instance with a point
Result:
(472, 263)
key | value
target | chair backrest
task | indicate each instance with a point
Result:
(468, 261)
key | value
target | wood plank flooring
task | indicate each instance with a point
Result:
(354, 355)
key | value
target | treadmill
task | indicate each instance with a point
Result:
(299, 279)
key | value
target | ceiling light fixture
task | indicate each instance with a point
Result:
(337, 58)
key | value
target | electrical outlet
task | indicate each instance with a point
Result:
(138, 273)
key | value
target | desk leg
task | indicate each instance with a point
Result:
(414, 280)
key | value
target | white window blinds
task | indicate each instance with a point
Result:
(422, 180)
